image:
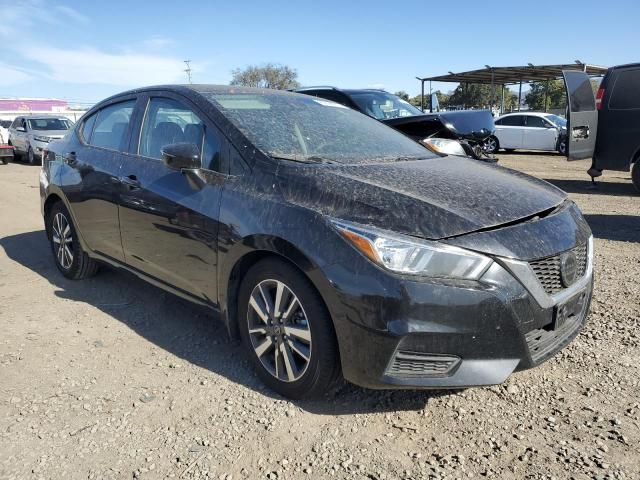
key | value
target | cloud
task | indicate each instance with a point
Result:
(23, 15)
(10, 75)
(158, 41)
(73, 14)
(92, 66)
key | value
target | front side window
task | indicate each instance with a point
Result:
(168, 121)
(383, 105)
(309, 129)
(536, 122)
(111, 126)
(49, 124)
(17, 123)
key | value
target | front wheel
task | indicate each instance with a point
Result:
(287, 331)
(562, 147)
(70, 258)
(635, 174)
(491, 145)
(31, 157)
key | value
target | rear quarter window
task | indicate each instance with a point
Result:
(626, 91)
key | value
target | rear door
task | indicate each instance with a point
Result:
(510, 131)
(582, 116)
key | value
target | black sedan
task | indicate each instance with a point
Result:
(331, 244)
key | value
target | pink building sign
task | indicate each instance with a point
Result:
(35, 105)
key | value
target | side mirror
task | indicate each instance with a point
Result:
(179, 156)
(21, 129)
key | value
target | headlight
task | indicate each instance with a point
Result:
(444, 146)
(412, 256)
(41, 139)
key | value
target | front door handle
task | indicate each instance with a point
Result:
(70, 158)
(130, 181)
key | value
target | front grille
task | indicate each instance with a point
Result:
(416, 364)
(543, 344)
(547, 270)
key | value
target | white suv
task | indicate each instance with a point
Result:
(31, 134)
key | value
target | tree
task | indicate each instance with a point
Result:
(403, 95)
(269, 75)
(556, 95)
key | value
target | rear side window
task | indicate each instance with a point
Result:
(87, 127)
(111, 126)
(626, 91)
(512, 121)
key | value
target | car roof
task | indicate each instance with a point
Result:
(344, 90)
(526, 112)
(36, 117)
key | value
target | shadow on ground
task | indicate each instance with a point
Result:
(624, 188)
(189, 331)
(625, 228)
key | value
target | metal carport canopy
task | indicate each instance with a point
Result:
(513, 75)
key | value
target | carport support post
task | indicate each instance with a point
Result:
(519, 94)
(502, 101)
(422, 96)
(546, 92)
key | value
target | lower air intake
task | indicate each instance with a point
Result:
(416, 364)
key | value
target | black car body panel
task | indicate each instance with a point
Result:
(469, 125)
(618, 137)
(194, 233)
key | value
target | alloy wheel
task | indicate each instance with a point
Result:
(490, 145)
(62, 240)
(279, 330)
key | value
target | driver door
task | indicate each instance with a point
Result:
(582, 116)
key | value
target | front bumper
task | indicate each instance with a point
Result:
(448, 335)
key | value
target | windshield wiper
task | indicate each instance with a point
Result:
(302, 159)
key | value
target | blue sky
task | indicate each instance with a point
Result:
(86, 50)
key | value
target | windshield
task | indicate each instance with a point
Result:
(383, 105)
(49, 124)
(557, 121)
(304, 128)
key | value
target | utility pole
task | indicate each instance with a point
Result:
(188, 70)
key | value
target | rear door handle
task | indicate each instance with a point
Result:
(130, 181)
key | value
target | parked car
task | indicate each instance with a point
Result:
(4, 129)
(618, 138)
(6, 151)
(31, 134)
(331, 244)
(529, 131)
(469, 127)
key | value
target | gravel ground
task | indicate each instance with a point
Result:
(113, 378)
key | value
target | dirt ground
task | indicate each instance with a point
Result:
(113, 378)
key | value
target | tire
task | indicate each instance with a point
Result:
(307, 362)
(31, 158)
(72, 261)
(635, 174)
(562, 147)
(491, 145)
(5, 161)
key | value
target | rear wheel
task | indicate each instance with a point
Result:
(70, 258)
(635, 174)
(491, 145)
(287, 331)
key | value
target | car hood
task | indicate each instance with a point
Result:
(474, 125)
(49, 133)
(434, 198)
